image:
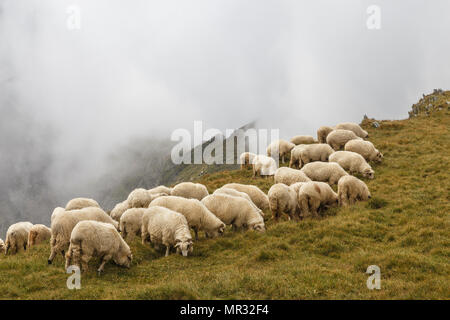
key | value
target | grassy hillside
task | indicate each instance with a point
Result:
(404, 229)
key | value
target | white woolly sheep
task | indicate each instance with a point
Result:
(329, 172)
(263, 166)
(55, 212)
(364, 148)
(360, 132)
(235, 211)
(246, 159)
(38, 234)
(131, 222)
(141, 198)
(303, 154)
(302, 140)
(199, 218)
(282, 147)
(93, 238)
(296, 186)
(80, 203)
(352, 162)
(167, 227)
(315, 195)
(351, 189)
(338, 138)
(63, 224)
(322, 133)
(289, 176)
(282, 199)
(258, 197)
(17, 237)
(190, 190)
(119, 209)
(235, 193)
(161, 189)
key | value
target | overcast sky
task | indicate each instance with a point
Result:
(144, 68)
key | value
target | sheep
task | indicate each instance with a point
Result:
(167, 227)
(190, 190)
(338, 138)
(329, 172)
(303, 154)
(360, 132)
(322, 133)
(258, 197)
(235, 211)
(296, 186)
(17, 237)
(352, 162)
(119, 209)
(289, 176)
(302, 140)
(55, 212)
(264, 166)
(63, 224)
(141, 198)
(235, 193)
(282, 147)
(197, 215)
(161, 189)
(283, 199)
(364, 148)
(315, 195)
(246, 159)
(131, 222)
(80, 203)
(38, 234)
(351, 189)
(94, 238)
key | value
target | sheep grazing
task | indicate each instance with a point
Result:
(352, 162)
(258, 197)
(131, 222)
(55, 212)
(303, 154)
(190, 190)
(264, 166)
(80, 203)
(302, 140)
(329, 172)
(283, 199)
(290, 176)
(235, 193)
(63, 224)
(93, 238)
(119, 209)
(167, 227)
(141, 198)
(314, 196)
(282, 147)
(161, 189)
(17, 237)
(199, 218)
(246, 159)
(338, 138)
(351, 189)
(235, 211)
(360, 132)
(364, 148)
(38, 234)
(322, 133)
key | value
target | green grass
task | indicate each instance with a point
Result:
(404, 229)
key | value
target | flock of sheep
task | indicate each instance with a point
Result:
(163, 216)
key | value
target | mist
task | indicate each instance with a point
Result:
(76, 104)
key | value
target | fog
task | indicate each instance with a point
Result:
(72, 101)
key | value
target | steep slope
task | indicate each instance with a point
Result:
(404, 229)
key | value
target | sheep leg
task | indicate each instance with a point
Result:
(196, 233)
(167, 250)
(85, 262)
(105, 259)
